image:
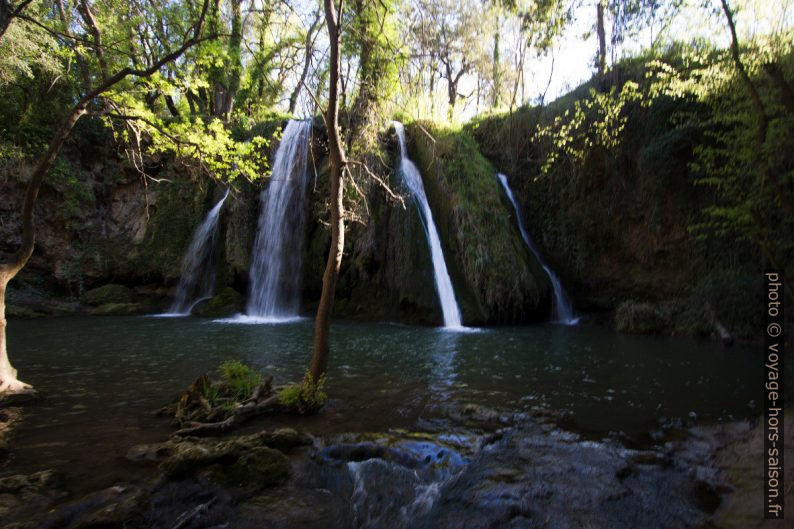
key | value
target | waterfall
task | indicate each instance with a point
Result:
(413, 179)
(197, 281)
(562, 312)
(275, 271)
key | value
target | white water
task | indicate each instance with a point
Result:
(276, 262)
(197, 281)
(562, 312)
(413, 179)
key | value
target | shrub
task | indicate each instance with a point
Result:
(240, 378)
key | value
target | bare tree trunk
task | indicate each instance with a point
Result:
(497, 85)
(737, 60)
(236, 66)
(307, 62)
(322, 324)
(8, 375)
(601, 61)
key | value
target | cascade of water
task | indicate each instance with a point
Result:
(276, 261)
(197, 281)
(413, 179)
(562, 311)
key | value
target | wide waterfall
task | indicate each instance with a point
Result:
(562, 311)
(275, 271)
(197, 281)
(413, 179)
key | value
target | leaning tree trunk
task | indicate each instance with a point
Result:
(8, 375)
(322, 324)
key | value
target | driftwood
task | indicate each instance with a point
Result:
(210, 407)
(187, 517)
(236, 416)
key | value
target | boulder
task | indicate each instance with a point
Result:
(255, 460)
(228, 301)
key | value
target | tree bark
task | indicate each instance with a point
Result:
(236, 66)
(322, 324)
(497, 81)
(601, 60)
(758, 105)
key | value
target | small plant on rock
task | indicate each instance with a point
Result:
(240, 378)
(305, 397)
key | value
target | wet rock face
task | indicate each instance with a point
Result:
(534, 479)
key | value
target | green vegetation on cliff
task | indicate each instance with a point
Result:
(497, 279)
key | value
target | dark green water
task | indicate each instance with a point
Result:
(103, 377)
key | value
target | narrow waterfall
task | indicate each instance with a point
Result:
(562, 312)
(413, 179)
(276, 262)
(197, 281)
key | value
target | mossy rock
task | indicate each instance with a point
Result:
(227, 302)
(106, 294)
(121, 309)
(261, 467)
(242, 461)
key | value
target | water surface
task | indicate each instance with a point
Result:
(102, 378)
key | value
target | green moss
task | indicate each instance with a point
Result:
(483, 249)
(259, 466)
(111, 293)
(226, 302)
(305, 397)
(121, 309)
(644, 318)
(178, 209)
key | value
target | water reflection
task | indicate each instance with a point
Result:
(443, 350)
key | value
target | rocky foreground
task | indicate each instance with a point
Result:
(475, 468)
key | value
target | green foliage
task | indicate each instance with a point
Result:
(78, 198)
(740, 160)
(305, 397)
(25, 52)
(240, 378)
(596, 121)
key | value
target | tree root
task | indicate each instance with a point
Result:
(236, 417)
(12, 386)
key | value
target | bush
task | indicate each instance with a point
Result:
(240, 378)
